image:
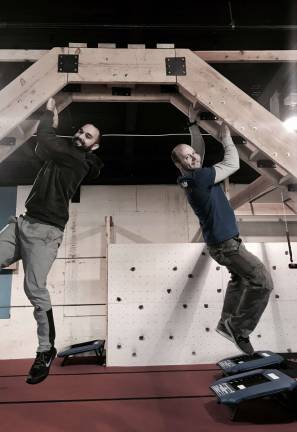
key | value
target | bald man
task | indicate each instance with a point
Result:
(35, 236)
(248, 290)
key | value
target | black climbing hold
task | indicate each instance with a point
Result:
(119, 299)
(140, 307)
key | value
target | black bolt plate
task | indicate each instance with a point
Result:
(8, 141)
(292, 187)
(265, 163)
(176, 66)
(68, 63)
(121, 91)
(206, 115)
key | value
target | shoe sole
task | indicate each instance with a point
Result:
(234, 341)
(225, 335)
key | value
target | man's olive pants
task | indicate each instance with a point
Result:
(249, 288)
(36, 244)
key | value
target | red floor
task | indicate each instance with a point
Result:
(85, 398)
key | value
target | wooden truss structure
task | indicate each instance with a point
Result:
(177, 76)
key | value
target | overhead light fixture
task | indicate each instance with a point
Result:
(290, 121)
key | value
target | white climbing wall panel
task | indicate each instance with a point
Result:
(164, 301)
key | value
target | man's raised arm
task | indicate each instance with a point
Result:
(230, 164)
(197, 141)
(48, 144)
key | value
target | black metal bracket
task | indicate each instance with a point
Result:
(176, 66)
(238, 140)
(121, 91)
(68, 63)
(207, 115)
(168, 88)
(292, 187)
(8, 141)
(265, 163)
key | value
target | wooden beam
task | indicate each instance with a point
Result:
(102, 93)
(263, 209)
(29, 127)
(248, 118)
(122, 65)
(274, 56)
(31, 89)
(261, 185)
(11, 55)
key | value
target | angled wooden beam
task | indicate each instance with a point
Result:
(22, 133)
(241, 112)
(251, 192)
(269, 177)
(31, 89)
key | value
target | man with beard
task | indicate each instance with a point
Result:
(248, 290)
(35, 236)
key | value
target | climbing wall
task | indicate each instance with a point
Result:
(164, 301)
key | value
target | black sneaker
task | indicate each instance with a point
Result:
(223, 331)
(41, 366)
(243, 343)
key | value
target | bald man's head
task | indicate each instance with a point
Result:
(185, 157)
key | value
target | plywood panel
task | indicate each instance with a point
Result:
(85, 281)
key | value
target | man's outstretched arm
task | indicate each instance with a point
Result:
(197, 141)
(230, 164)
(49, 146)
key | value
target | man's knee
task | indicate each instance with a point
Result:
(262, 278)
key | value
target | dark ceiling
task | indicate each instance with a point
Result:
(216, 25)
